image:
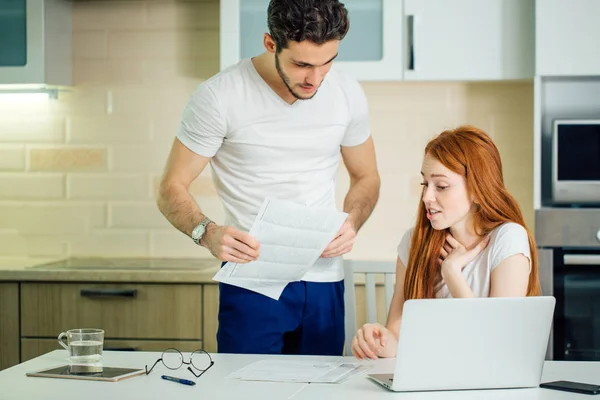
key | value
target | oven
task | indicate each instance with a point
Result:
(576, 162)
(568, 243)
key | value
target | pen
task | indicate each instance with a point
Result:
(178, 380)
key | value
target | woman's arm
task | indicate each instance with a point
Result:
(458, 287)
(376, 340)
(395, 314)
(511, 277)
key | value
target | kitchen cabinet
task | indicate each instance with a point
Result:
(9, 324)
(31, 348)
(135, 317)
(462, 40)
(35, 42)
(422, 40)
(211, 315)
(371, 51)
(141, 304)
(567, 37)
(124, 310)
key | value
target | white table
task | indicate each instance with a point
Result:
(213, 384)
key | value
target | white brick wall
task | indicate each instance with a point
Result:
(12, 244)
(135, 65)
(32, 186)
(171, 243)
(105, 15)
(90, 44)
(136, 215)
(51, 218)
(12, 158)
(113, 242)
(108, 187)
(108, 129)
(29, 129)
(149, 158)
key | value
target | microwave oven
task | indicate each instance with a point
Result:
(576, 162)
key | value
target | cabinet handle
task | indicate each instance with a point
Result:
(120, 348)
(581, 259)
(108, 292)
(410, 36)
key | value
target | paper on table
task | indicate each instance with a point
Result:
(292, 237)
(299, 371)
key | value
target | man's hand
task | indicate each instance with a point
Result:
(343, 241)
(230, 244)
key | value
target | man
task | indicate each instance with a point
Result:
(277, 125)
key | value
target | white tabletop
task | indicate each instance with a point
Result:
(213, 384)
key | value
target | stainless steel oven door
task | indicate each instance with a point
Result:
(576, 162)
(577, 314)
(568, 241)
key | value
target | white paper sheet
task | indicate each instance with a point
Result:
(299, 371)
(292, 237)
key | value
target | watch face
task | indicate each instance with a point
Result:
(198, 232)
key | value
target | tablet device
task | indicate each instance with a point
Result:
(569, 386)
(88, 372)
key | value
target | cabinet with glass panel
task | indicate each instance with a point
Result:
(423, 40)
(35, 42)
(372, 49)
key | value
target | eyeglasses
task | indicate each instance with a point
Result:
(173, 359)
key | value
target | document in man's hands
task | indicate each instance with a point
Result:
(300, 370)
(292, 237)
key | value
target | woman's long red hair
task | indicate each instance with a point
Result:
(470, 152)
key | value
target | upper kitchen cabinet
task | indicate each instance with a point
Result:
(35, 42)
(371, 51)
(567, 37)
(469, 39)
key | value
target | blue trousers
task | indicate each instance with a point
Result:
(307, 319)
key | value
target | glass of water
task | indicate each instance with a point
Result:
(83, 345)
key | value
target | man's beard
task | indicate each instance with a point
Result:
(287, 82)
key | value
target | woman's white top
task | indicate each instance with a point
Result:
(506, 240)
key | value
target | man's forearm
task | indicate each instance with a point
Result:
(361, 199)
(179, 207)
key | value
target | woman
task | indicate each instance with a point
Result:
(470, 238)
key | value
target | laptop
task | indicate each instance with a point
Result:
(479, 343)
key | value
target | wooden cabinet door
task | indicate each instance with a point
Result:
(211, 321)
(32, 348)
(9, 325)
(123, 310)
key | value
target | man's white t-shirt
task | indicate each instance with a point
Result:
(263, 146)
(506, 240)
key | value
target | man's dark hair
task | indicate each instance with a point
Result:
(318, 21)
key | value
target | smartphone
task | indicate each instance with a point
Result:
(569, 386)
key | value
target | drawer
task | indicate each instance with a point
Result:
(124, 311)
(31, 348)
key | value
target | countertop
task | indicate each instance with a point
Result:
(95, 269)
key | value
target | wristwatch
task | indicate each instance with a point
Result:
(199, 230)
